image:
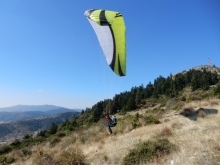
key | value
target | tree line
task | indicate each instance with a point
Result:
(169, 87)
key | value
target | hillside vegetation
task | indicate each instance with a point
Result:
(175, 120)
(17, 129)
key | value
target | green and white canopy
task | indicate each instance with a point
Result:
(110, 29)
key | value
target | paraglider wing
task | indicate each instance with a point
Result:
(110, 29)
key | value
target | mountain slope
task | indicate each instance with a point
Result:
(22, 112)
(18, 129)
(192, 139)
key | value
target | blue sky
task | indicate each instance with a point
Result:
(49, 53)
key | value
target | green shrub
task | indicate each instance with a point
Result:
(61, 134)
(5, 149)
(178, 106)
(189, 98)
(54, 141)
(26, 152)
(135, 125)
(26, 143)
(156, 110)
(206, 95)
(148, 151)
(9, 160)
(6, 160)
(16, 143)
(135, 121)
(105, 157)
(122, 112)
(151, 120)
(39, 139)
(27, 136)
(2, 159)
(42, 134)
(216, 90)
(53, 129)
(82, 139)
(183, 98)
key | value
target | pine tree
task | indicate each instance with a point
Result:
(53, 128)
(149, 90)
(131, 103)
(216, 90)
(138, 97)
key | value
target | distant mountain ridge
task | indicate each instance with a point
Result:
(21, 112)
(22, 108)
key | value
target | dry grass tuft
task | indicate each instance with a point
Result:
(122, 127)
(189, 107)
(201, 114)
(176, 125)
(166, 120)
(54, 141)
(165, 132)
(71, 156)
(204, 104)
(42, 157)
(213, 102)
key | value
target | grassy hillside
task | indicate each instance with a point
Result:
(182, 128)
(181, 137)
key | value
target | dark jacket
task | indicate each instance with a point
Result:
(112, 121)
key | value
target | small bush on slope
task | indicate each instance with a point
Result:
(54, 141)
(41, 157)
(216, 90)
(71, 156)
(6, 160)
(5, 149)
(165, 132)
(151, 120)
(148, 151)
